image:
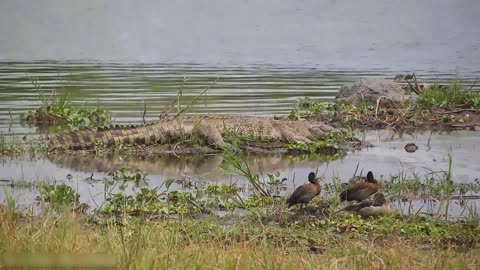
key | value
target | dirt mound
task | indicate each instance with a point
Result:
(372, 90)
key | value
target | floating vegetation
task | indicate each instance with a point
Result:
(58, 196)
(125, 174)
(57, 110)
(333, 146)
(15, 146)
(22, 184)
(145, 201)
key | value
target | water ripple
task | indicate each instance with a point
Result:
(124, 87)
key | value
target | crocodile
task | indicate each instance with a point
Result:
(211, 129)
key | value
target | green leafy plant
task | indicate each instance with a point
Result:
(450, 97)
(145, 201)
(330, 145)
(58, 110)
(59, 195)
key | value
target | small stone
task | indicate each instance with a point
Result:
(411, 147)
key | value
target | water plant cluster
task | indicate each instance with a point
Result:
(15, 146)
(58, 195)
(58, 111)
(331, 147)
(450, 97)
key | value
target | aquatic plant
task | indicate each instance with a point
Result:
(25, 184)
(11, 145)
(125, 174)
(145, 201)
(58, 110)
(58, 195)
(330, 148)
(150, 201)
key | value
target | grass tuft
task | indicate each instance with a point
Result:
(450, 97)
(57, 109)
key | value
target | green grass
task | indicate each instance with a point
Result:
(451, 97)
(246, 244)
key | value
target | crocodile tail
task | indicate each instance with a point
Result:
(114, 135)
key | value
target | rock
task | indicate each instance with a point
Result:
(411, 147)
(372, 89)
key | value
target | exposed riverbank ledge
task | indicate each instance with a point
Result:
(403, 103)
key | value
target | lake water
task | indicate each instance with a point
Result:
(257, 57)
(439, 35)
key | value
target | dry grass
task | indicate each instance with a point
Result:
(197, 244)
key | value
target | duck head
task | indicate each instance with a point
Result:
(311, 178)
(370, 178)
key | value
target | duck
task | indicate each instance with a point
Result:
(377, 207)
(305, 193)
(360, 191)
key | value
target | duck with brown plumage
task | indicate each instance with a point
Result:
(360, 191)
(305, 193)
